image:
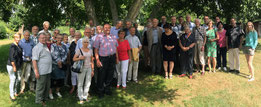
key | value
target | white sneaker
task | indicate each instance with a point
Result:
(219, 68)
(225, 68)
(59, 94)
(249, 76)
(51, 96)
(251, 79)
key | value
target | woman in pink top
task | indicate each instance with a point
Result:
(221, 47)
(124, 55)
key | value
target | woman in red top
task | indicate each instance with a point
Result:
(221, 47)
(124, 54)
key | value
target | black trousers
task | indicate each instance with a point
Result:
(186, 62)
(105, 73)
(221, 54)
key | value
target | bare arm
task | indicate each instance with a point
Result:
(35, 69)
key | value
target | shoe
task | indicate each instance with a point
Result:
(51, 96)
(237, 71)
(182, 75)
(251, 79)
(249, 76)
(166, 77)
(136, 81)
(219, 68)
(190, 77)
(170, 77)
(123, 87)
(214, 71)
(225, 68)
(81, 102)
(232, 71)
(202, 73)
(59, 95)
(118, 86)
(12, 99)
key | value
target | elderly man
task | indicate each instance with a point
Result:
(71, 37)
(154, 46)
(163, 21)
(115, 29)
(205, 25)
(200, 41)
(27, 45)
(135, 46)
(106, 58)
(34, 35)
(174, 25)
(234, 38)
(87, 33)
(128, 25)
(189, 23)
(180, 25)
(42, 63)
(46, 26)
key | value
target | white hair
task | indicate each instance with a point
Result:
(85, 39)
(46, 22)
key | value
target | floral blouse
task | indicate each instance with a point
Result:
(59, 53)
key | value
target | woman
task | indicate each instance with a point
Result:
(249, 48)
(84, 78)
(59, 55)
(169, 43)
(13, 66)
(221, 47)
(187, 43)
(49, 42)
(124, 54)
(211, 45)
(74, 76)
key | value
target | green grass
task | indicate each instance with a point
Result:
(219, 89)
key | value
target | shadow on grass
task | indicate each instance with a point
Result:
(4, 54)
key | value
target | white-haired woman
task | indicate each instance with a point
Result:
(249, 48)
(84, 78)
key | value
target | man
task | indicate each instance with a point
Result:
(189, 23)
(163, 21)
(106, 58)
(174, 25)
(42, 62)
(27, 45)
(34, 35)
(128, 25)
(135, 46)
(180, 25)
(200, 41)
(154, 46)
(115, 29)
(205, 25)
(217, 20)
(46, 26)
(234, 38)
(71, 37)
(87, 33)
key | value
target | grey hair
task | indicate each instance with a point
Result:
(26, 31)
(197, 19)
(57, 30)
(87, 28)
(46, 22)
(85, 39)
(118, 21)
(78, 32)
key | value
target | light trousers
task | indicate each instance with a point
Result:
(133, 70)
(233, 55)
(74, 78)
(122, 68)
(14, 79)
(84, 83)
(27, 75)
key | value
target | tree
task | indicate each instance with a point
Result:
(114, 11)
(134, 10)
(90, 10)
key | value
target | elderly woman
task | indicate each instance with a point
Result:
(249, 48)
(169, 43)
(212, 37)
(74, 76)
(14, 63)
(84, 78)
(124, 54)
(59, 55)
(49, 41)
(187, 43)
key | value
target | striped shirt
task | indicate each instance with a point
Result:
(106, 45)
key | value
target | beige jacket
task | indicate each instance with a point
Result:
(150, 38)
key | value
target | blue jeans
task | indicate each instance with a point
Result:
(14, 79)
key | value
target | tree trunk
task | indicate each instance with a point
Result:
(114, 12)
(134, 10)
(90, 10)
(156, 8)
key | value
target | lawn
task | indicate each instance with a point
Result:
(219, 89)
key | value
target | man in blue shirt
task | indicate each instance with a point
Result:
(87, 33)
(116, 28)
(27, 45)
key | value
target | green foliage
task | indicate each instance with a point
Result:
(6, 9)
(2, 32)
(17, 18)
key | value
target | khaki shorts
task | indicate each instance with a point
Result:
(248, 50)
(199, 56)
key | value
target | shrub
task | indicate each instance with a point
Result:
(2, 32)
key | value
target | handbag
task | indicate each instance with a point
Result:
(77, 66)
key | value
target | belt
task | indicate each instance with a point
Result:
(108, 56)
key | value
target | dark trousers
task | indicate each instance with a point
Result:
(186, 62)
(221, 54)
(105, 74)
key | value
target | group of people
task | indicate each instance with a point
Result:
(43, 60)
